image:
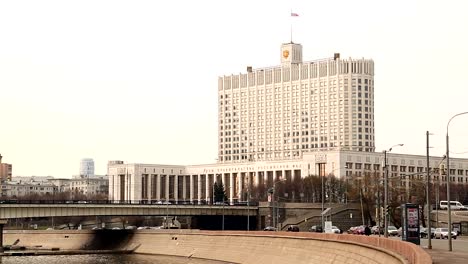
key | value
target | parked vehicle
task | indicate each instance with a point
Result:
(316, 228)
(376, 230)
(442, 233)
(454, 205)
(357, 230)
(336, 230)
(423, 232)
(269, 228)
(293, 228)
(392, 231)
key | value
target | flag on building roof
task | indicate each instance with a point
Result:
(294, 14)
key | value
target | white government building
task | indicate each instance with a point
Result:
(284, 122)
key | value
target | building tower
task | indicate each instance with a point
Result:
(87, 167)
(6, 171)
(278, 113)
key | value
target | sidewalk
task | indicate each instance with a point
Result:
(440, 256)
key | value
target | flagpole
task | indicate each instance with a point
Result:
(290, 19)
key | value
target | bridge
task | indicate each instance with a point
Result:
(104, 208)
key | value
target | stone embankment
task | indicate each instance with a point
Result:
(238, 247)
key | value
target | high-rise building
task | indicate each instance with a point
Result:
(86, 167)
(278, 113)
(6, 170)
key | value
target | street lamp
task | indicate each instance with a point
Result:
(274, 202)
(323, 194)
(386, 188)
(448, 184)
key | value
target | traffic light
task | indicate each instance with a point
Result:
(387, 209)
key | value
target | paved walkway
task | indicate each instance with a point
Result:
(440, 256)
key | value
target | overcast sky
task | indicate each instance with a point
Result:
(137, 80)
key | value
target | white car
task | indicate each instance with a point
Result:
(442, 233)
(392, 231)
(335, 230)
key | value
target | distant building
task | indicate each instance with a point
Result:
(5, 170)
(19, 187)
(91, 185)
(62, 184)
(87, 167)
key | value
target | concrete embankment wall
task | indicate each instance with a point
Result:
(244, 247)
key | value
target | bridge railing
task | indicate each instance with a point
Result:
(129, 202)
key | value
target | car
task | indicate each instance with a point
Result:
(454, 205)
(130, 227)
(269, 228)
(316, 228)
(358, 230)
(399, 231)
(423, 232)
(336, 230)
(116, 228)
(143, 227)
(442, 232)
(392, 231)
(376, 230)
(293, 228)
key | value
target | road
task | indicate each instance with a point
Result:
(440, 253)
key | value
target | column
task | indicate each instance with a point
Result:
(240, 182)
(184, 188)
(265, 179)
(191, 188)
(167, 187)
(257, 178)
(231, 188)
(207, 188)
(199, 188)
(148, 187)
(176, 188)
(158, 187)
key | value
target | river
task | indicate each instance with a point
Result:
(104, 259)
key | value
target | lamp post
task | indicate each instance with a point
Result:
(386, 189)
(429, 243)
(274, 202)
(323, 194)
(448, 184)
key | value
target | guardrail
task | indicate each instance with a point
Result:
(126, 202)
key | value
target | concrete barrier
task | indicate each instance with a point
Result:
(244, 247)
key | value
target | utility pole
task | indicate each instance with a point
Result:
(429, 242)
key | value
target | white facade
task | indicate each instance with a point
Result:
(282, 112)
(153, 182)
(87, 167)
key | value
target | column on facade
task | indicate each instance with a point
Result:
(176, 188)
(199, 188)
(167, 187)
(240, 183)
(184, 187)
(158, 187)
(191, 188)
(256, 177)
(231, 188)
(148, 186)
(207, 188)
